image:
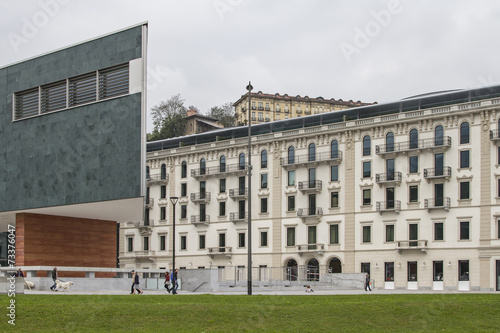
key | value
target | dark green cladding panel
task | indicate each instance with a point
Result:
(83, 154)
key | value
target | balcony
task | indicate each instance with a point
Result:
(220, 251)
(310, 215)
(311, 248)
(412, 245)
(327, 157)
(401, 147)
(311, 186)
(144, 224)
(390, 178)
(437, 203)
(267, 119)
(144, 254)
(200, 197)
(261, 108)
(219, 171)
(149, 202)
(238, 217)
(238, 193)
(437, 173)
(152, 179)
(200, 219)
(495, 136)
(389, 206)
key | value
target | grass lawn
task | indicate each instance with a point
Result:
(239, 313)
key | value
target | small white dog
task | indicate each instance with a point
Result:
(29, 284)
(63, 285)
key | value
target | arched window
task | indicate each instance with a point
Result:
(438, 136)
(163, 171)
(291, 155)
(184, 170)
(147, 172)
(413, 138)
(242, 161)
(312, 152)
(367, 145)
(335, 266)
(464, 133)
(203, 166)
(222, 164)
(334, 149)
(389, 142)
(263, 159)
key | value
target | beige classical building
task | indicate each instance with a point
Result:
(269, 107)
(408, 191)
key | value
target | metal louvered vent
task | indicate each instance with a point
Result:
(82, 89)
(113, 81)
(54, 96)
(26, 104)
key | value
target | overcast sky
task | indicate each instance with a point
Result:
(208, 50)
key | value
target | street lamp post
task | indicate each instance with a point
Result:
(249, 287)
(173, 200)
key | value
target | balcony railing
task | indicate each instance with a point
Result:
(200, 219)
(412, 245)
(310, 248)
(326, 157)
(150, 202)
(157, 178)
(389, 206)
(221, 250)
(200, 197)
(437, 203)
(314, 185)
(218, 170)
(238, 217)
(142, 224)
(391, 177)
(433, 173)
(145, 253)
(238, 193)
(305, 212)
(495, 135)
(398, 147)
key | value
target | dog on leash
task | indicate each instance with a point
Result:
(29, 284)
(63, 285)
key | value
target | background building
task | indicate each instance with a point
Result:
(269, 107)
(408, 191)
(72, 127)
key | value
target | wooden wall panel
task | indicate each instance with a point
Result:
(46, 240)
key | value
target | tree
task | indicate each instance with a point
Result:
(169, 118)
(224, 114)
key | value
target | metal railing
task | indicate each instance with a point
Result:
(413, 145)
(388, 177)
(200, 219)
(238, 193)
(305, 212)
(157, 178)
(310, 185)
(329, 157)
(435, 203)
(443, 172)
(238, 217)
(391, 205)
(218, 170)
(200, 197)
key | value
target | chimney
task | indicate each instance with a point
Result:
(191, 113)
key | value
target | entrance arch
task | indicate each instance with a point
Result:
(291, 270)
(312, 273)
(335, 266)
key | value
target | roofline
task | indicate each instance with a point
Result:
(76, 44)
(313, 99)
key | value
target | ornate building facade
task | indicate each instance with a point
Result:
(408, 191)
(269, 107)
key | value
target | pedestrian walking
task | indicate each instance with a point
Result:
(135, 285)
(367, 282)
(167, 282)
(54, 278)
(175, 283)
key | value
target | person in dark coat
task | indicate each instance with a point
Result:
(54, 278)
(367, 282)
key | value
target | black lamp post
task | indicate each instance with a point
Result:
(173, 200)
(249, 287)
